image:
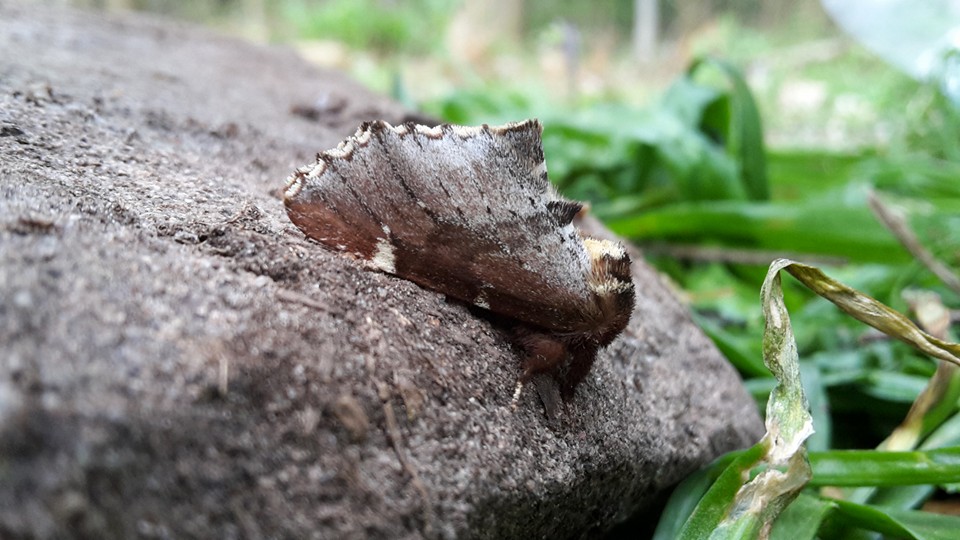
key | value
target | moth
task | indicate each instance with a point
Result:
(470, 212)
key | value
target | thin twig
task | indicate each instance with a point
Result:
(898, 226)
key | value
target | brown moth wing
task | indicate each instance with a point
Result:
(468, 212)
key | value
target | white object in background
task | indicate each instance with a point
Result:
(921, 38)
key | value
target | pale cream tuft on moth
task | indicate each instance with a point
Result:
(610, 286)
(600, 248)
(466, 131)
(384, 258)
(433, 132)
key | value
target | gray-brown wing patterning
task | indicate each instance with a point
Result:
(469, 212)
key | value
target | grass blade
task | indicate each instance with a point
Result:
(867, 310)
(834, 228)
(801, 520)
(875, 468)
(897, 523)
(745, 129)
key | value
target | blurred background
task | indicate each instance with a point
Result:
(717, 135)
(815, 83)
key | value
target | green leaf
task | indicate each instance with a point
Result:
(801, 520)
(892, 386)
(715, 504)
(796, 175)
(736, 348)
(688, 100)
(897, 523)
(831, 228)
(744, 130)
(687, 495)
(946, 435)
(625, 151)
(814, 388)
(877, 468)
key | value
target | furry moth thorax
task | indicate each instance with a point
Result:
(470, 212)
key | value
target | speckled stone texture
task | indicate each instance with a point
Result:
(179, 361)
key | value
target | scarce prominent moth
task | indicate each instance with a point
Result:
(470, 212)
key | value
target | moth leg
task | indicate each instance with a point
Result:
(545, 353)
(549, 392)
(583, 357)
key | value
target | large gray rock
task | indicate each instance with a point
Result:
(179, 361)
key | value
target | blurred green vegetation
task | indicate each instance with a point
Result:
(384, 27)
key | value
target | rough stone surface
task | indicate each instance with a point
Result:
(146, 265)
